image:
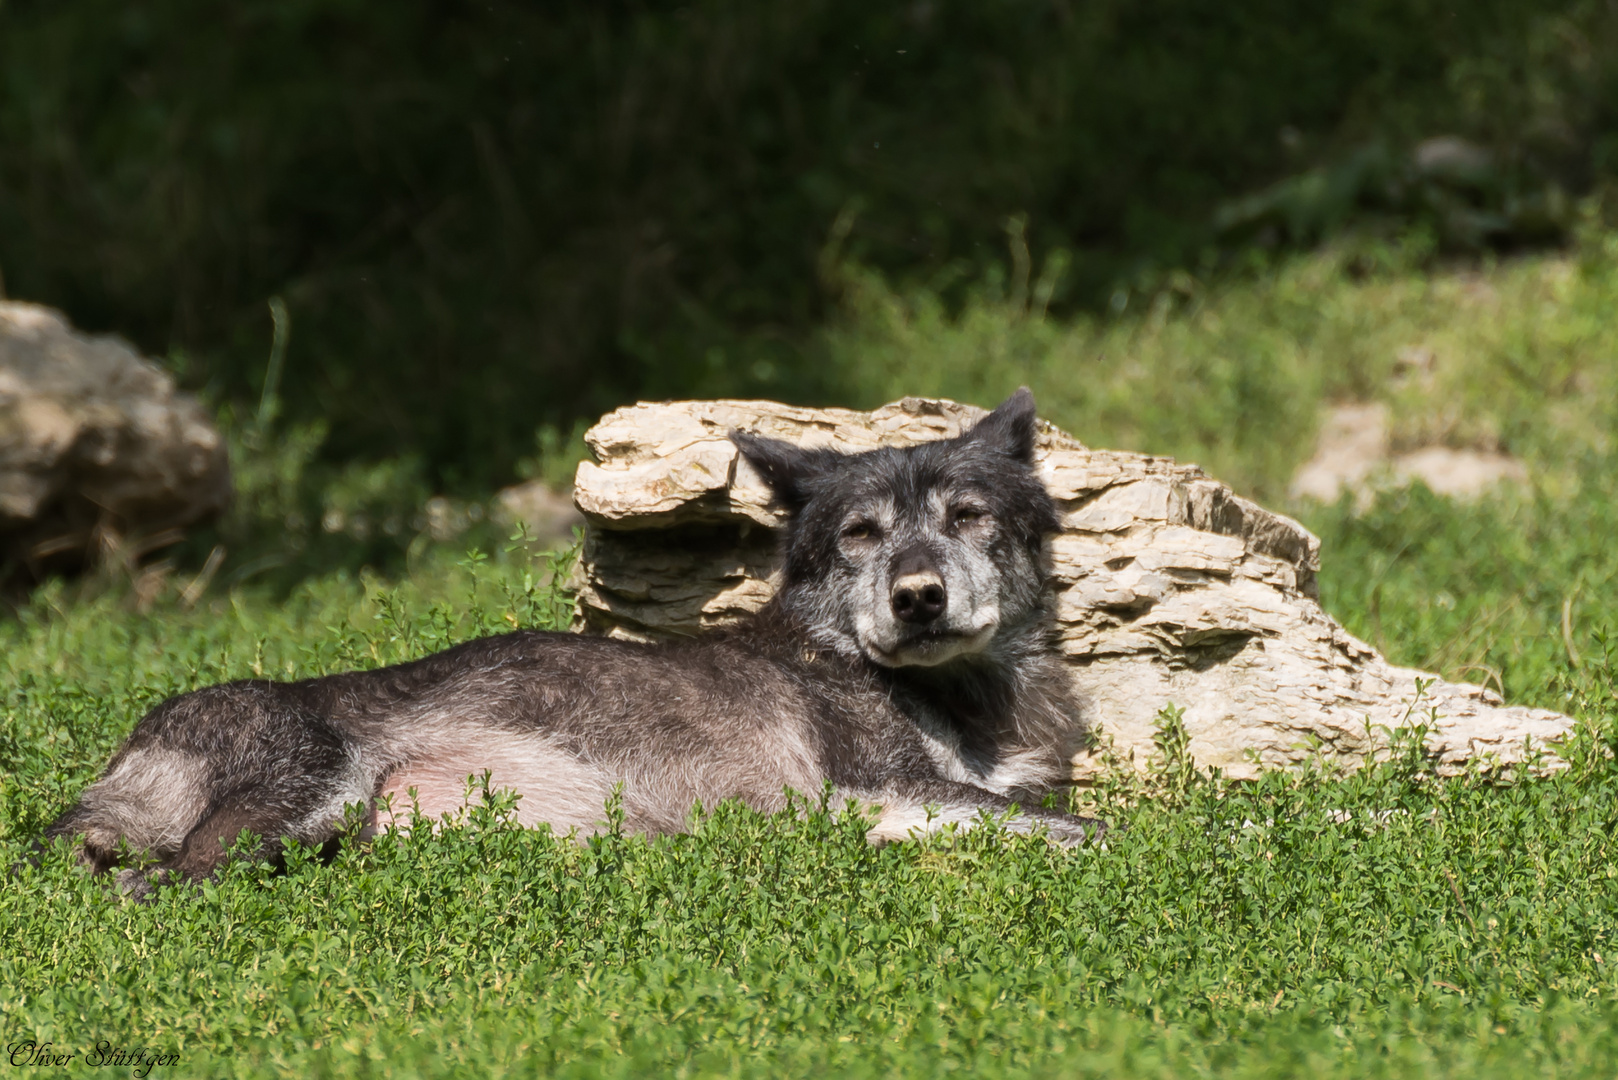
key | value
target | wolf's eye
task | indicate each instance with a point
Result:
(860, 530)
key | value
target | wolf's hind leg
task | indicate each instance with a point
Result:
(211, 842)
(201, 768)
(909, 807)
(300, 797)
(310, 811)
(149, 799)
(203, 850)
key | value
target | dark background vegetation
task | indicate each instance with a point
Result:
(485, 217)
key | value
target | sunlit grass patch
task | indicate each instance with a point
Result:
(1378, 922)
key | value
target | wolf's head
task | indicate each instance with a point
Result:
(919, 556)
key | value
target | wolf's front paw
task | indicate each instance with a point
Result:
(138, 885)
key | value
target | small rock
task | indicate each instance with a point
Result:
(1451, 157)
(1355, 454)
(1354, 443)
(1460, 474)
(96, 445)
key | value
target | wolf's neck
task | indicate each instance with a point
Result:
(971, 694)
(1020, 696)
(793, 615)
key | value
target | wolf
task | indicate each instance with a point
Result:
(905, 663)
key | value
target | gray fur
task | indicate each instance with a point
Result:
(905, 662)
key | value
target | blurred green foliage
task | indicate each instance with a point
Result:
(1516, 354)
(487, 217)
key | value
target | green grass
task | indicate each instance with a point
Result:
(1374, 923)
(1380, 923)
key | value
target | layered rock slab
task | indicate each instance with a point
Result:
(1170, 588)
(95, 444)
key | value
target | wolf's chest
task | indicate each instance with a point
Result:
(1005, 768)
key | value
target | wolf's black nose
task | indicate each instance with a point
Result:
(919, 598)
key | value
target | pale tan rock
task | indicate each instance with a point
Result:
(1355, 453)
(1457, 473)
(95, 442)
(1170, 588)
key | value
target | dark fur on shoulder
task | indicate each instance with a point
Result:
(906, 662)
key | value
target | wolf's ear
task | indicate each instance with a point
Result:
(788, 469)
(1010, 429)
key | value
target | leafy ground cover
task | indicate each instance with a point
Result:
(1376, 923)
